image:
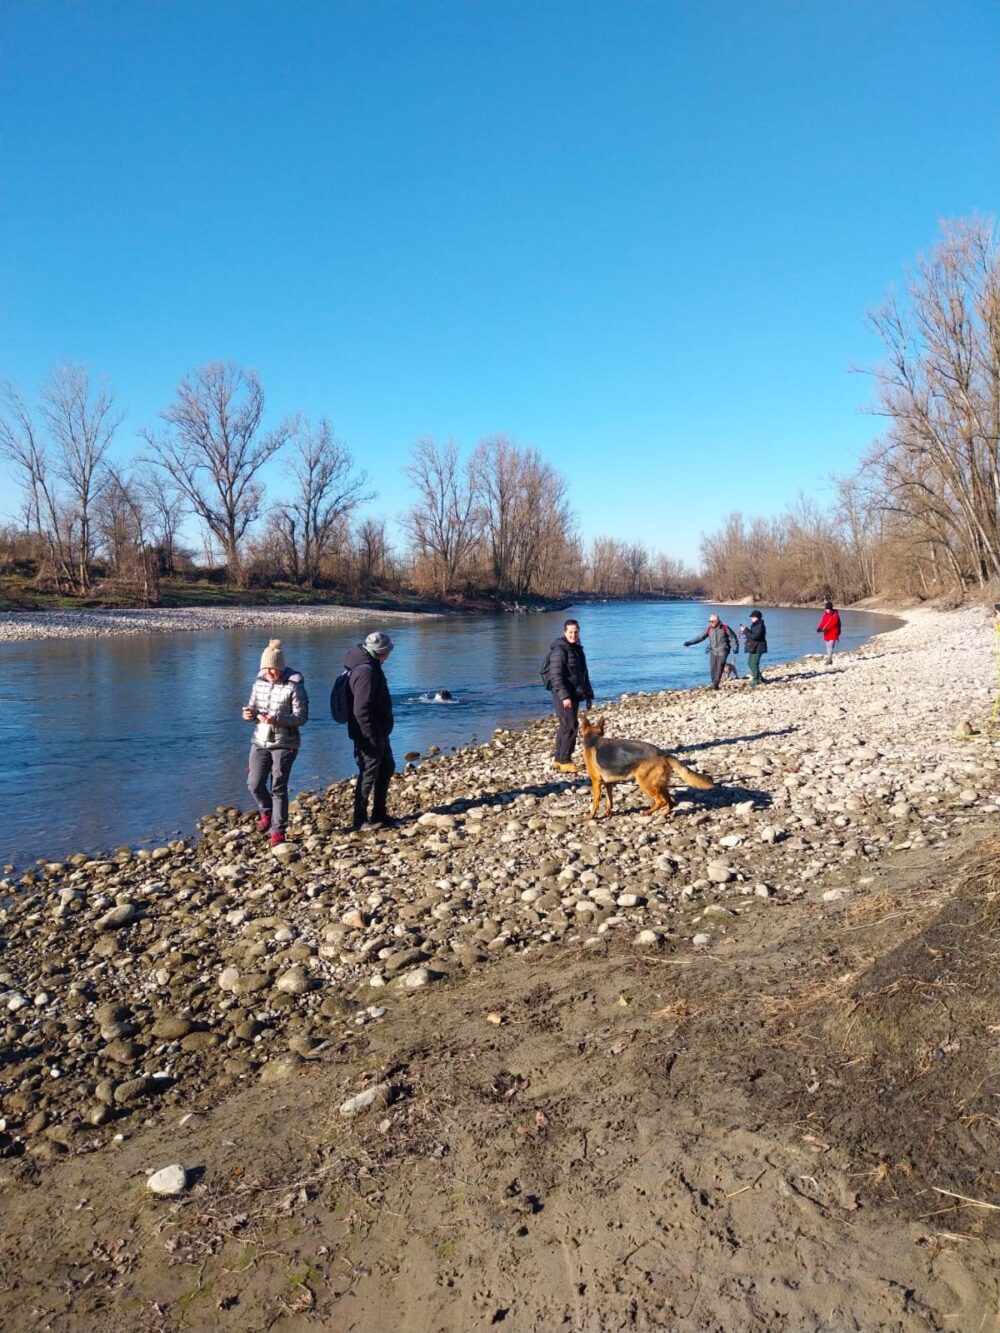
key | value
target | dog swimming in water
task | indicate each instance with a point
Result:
(609, 760)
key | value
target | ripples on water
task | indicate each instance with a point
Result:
(129, 740)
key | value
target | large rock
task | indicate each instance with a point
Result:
(168, 1181)
(120, 916)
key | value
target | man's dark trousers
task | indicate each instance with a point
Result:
(717, 662)
(376, 766)
(566, 733)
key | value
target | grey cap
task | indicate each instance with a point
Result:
(377, 643)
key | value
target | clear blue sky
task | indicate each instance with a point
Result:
(641, 237)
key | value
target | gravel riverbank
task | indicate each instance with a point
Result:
(141, 979)
(23, 626)
(755, 1028)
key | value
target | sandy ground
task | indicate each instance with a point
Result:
(783, 1135)
(794, 1129)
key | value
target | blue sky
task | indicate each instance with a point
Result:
(640, 237)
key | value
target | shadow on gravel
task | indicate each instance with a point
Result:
(728, 794)
(734, 740)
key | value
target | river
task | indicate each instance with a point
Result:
(127, 740)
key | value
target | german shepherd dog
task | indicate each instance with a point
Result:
(611, 761)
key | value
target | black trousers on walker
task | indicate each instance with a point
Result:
(375, 769)
(566, 730)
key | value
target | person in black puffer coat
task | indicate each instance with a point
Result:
(755, 641)
(369, 724)
(569, 680)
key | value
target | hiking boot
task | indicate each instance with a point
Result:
(277, 839)
(264, 823)
(566, 767)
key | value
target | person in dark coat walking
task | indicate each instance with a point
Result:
(721, 641)
(369, 724)
(569, 680)
(755, 642)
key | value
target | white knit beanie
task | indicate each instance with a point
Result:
(377, 643)
(272, 656)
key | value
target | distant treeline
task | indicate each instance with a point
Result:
(920, 517)
(498, 523)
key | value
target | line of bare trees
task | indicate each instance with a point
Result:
(921, 516)
(497, 521)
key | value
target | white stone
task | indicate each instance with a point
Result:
(719, 873)
(701, 941)
(170, 1180)
(293, 982)
(228, 977)
(416, 978)
(379, 1095)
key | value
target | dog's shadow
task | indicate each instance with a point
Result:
(688, 803)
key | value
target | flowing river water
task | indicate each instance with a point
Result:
(127, 740)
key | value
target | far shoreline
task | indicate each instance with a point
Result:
(106, 622)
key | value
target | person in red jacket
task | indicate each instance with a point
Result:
(829, 627)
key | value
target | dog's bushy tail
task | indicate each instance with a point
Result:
(688, 775)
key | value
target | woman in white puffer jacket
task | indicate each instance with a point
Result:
(279, 706)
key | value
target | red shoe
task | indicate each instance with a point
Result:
(264, 823)
(277, 839)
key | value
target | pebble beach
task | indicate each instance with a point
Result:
(164, 977)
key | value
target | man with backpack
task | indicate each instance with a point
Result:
(721, 641)
(369, 724)
(565, 673)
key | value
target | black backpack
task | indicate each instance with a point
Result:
(546, 672)
(340, 697)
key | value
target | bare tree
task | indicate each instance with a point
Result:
(122, 521)
(372, 554)
(327, 491)
(80, 426)
(82, 423)
(213, 449)
(524, 513)
(443, 524)
(21, 446)
(939, 387)
(164, 506)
